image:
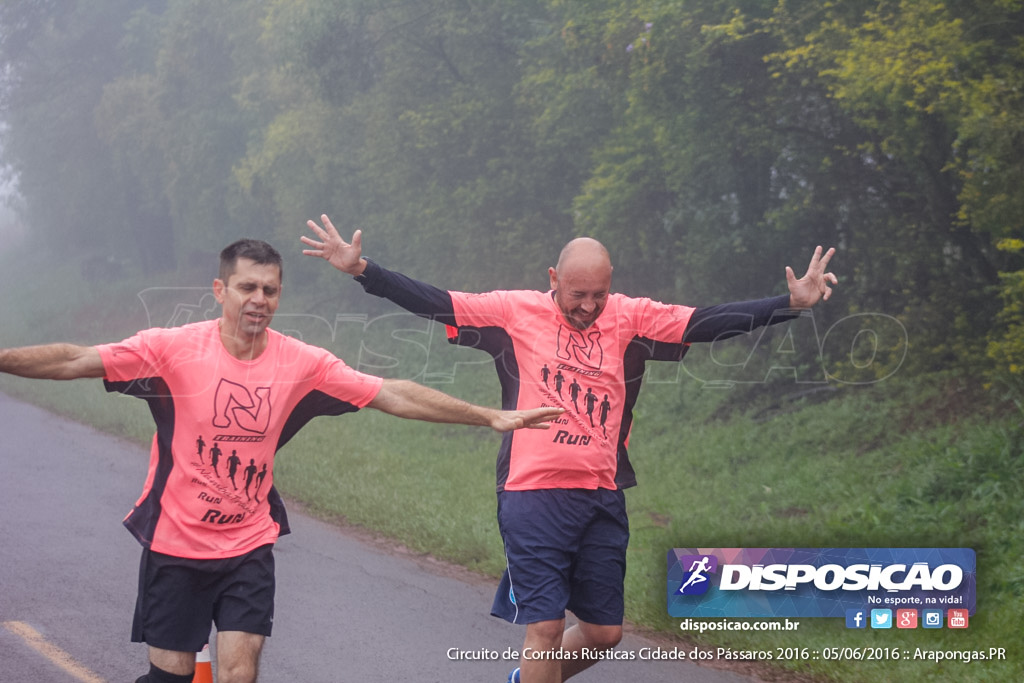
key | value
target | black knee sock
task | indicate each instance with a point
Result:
(156, 675)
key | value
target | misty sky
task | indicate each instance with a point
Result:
(11, 230)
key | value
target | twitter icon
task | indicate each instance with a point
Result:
(881, 618)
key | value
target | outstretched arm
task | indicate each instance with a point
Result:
(814, 285)
(713, 323)
(403, 398)
(417, 297)
(52, 361)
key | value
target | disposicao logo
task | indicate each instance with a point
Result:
(818, 582)
(695, 579)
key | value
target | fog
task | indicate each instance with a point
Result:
(470, 141)
(12, 229)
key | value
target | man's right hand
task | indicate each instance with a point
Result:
(532, 418)
(346, 257)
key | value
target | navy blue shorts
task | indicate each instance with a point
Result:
(180, 598)
(566, 549)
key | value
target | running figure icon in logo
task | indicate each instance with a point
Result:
(696, 582)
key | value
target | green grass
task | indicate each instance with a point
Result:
(805, 479)
(910, 462)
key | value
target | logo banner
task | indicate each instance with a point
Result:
(817, 582)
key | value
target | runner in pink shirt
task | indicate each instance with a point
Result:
(208, 525)
(580, 347)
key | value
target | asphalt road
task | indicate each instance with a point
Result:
(347, 609)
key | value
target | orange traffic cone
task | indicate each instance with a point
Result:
(204, 671)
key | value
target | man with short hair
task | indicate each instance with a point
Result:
(561, 509)
(207, 549)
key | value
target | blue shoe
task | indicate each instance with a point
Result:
(514, 676)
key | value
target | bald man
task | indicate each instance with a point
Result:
(561, 508)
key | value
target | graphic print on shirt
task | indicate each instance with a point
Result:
(581, 349)
(235, 405)
(580, 358)
(240, 417)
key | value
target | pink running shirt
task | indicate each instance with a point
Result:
(544, 361)
(209, 493)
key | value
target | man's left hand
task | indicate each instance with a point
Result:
(814, 285)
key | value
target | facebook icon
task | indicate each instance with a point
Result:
(855, 618)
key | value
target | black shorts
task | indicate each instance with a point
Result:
(566, 549)
(179, 598)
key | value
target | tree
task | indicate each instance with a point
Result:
(56, 58)
(911, 76)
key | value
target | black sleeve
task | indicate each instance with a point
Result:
(414, 296)
(709, 323)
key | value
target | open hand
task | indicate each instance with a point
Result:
(534, 418)
(346, 257)
(814, 285)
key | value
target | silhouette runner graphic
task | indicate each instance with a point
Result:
(606, 408)
(590, 400)
(233, 462)
(259, 482)
(250, 472)
(215, 454)
(574, 393)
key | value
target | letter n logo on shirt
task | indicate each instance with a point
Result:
(234, 404)
(580, 346)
